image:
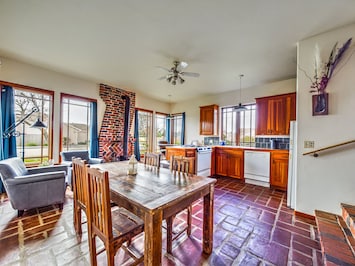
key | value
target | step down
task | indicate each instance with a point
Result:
(336, 239)
(348, 212)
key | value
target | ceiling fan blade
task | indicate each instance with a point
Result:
(190, 74)
(164, 68)
(163, 77)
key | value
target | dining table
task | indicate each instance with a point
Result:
(158, 194)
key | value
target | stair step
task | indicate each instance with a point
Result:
(348, 212)
(338, 244)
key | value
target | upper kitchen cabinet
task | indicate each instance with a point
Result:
(274, 113)
(209, 120)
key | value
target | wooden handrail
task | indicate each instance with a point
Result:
(315, 152)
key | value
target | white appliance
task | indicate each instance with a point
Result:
(257, 168)
(203, 161)
(291, 186)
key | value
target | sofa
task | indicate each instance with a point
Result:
(33, 187)
(67, 157)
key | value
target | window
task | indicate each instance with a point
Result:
(76, 122)
(145, 131)
(160, 129)
(238, 128)
(34, 145)
(175, 129)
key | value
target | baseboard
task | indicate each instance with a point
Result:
(305, 215)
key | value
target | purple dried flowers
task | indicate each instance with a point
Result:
(321, 79)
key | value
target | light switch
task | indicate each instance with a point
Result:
(309, 144)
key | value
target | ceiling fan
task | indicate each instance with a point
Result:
(176, 73)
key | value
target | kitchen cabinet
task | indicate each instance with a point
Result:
(279, 169)
(230, 162)
(185, 152)
(209, 120)
(274, 113)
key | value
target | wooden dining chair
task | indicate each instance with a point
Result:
(152, 160)
(80, 198)
(113, 226)
(178, 165)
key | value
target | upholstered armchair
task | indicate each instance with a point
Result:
(67, 157)
(32, 187)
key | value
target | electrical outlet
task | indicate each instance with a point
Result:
(309, 144)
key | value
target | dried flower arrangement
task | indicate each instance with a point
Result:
(323, 73)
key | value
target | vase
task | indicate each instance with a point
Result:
(320, 104)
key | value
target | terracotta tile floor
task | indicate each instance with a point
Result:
(252, 226)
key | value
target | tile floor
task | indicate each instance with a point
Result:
(253, 226)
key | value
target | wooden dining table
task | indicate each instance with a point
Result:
(157, 195)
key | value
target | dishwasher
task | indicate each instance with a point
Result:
(257, 168)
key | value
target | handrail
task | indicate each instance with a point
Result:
(315, 152)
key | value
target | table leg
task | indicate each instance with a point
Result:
(153, 238)
(208, 221)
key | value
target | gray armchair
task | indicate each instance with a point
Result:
(67, 157)
(33, 187)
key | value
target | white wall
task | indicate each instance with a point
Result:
(227, 99)
(29, 75)
(324, 182)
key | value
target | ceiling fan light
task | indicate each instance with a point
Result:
(181, 80)
(173, 82)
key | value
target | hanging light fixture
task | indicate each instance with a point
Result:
(240, 107)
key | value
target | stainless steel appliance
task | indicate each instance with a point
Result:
(257, 168)
(203, 161)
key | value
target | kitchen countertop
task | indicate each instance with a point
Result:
(229, 147)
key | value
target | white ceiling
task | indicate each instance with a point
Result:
(120, 43)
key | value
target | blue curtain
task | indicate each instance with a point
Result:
(8, 145)
(94, 140)
(137, 151)
(183, 129)
(167, 130)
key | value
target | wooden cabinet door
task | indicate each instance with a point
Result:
(290, 102)
(279, 170)
(276, 122)
(221, 163)
(261, 116)
(236, 164)
(209, 120)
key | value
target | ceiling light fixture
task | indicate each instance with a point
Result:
(240, 107)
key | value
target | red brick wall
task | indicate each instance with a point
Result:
(112, 128)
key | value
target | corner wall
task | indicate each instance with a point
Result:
(324, 182)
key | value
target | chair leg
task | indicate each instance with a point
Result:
(60, 206)
(92, 249)
(110, 253)
(77, 222)
(169, 234)
(20, 213)
(189, 219)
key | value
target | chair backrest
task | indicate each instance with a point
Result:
(12, 167)
(68, 155)
(80, 182)
(152, 159)
(99, 209)
(179, 164)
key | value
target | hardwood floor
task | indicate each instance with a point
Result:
(252, 226)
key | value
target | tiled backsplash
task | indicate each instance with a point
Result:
(279, 143)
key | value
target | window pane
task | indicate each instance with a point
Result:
(238, 128)
(75, 124)
(145, 131)
(160, 129)
(33, 143)
(175, 127)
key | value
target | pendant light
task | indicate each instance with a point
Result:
(240, 107)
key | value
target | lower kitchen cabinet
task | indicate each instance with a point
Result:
(279, 169)
(230, 162)
(185, 152)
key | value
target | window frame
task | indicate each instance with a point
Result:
(49, 93)
(76, 98)
(235, 127)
